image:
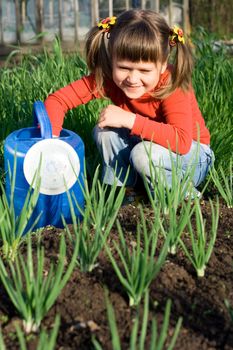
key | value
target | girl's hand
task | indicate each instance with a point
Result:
(115, 117)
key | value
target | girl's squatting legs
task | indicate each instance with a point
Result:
(119, 149)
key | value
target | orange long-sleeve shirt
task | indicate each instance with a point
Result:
(173, 122)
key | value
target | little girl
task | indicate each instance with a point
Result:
(154, 115)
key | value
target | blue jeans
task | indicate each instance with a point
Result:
(119, 149)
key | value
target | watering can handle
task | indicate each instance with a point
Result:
(41, 117)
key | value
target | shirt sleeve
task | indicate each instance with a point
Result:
(175, 131)
(58, 103)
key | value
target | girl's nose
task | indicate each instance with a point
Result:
(132, 77)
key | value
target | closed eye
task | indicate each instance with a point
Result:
(145, 71)
(122, 67)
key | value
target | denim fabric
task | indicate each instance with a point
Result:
(120, 150)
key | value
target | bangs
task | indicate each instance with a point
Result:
(137, 43)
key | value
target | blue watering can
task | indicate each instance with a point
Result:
(62, 169)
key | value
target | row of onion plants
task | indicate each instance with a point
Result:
(33, 292)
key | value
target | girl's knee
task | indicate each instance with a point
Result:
(139, 158)
(145, 152)
(103, 136)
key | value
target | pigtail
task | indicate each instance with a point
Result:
(97, 56)
(183, 66)
(181, 58)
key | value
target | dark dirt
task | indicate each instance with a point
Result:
(200, 301)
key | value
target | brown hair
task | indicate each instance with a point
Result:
(139, 35)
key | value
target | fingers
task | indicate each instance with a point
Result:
(106, 117)
(101, 121)
(102, 117)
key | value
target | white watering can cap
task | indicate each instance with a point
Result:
(56, 162)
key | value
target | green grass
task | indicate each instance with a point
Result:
(212, 80)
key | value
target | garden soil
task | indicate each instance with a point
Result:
(199, 301)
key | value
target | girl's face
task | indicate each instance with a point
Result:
(136, 78)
